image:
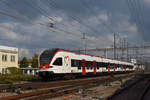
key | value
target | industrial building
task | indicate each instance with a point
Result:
(8, 58)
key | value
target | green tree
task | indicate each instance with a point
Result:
(35, 61)
(24, 62)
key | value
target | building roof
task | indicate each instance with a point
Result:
(14, 49)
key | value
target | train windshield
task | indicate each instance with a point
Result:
(46, 56)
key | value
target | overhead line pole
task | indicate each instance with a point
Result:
(114, 46)
(84, 40)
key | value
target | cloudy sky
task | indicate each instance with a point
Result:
(25, 24)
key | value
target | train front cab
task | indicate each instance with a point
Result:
(53, 68)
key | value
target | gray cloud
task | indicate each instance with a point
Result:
(30, 36)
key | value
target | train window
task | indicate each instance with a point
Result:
(75, 63)
(79, 63)
(127, 66)
(46, 56)
(118, 66)
(96, 63)
(99, 64)
(123, 66)
(89, 64)
(131, 67)
(111, 66)
(79, 68)
(107, 64)
(102, 64)
(58, 61)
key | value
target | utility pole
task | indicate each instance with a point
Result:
(114, 46)
(84, 41)
(105, 53)
(128, 52)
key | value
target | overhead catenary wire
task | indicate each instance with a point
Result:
(75, 18)
(132, 5)
(55, 28)
(39, 9)
(18, 16)
(139, 6)
(54, 5)
(9, 15)
(64, 24)
(35, 23)
(140, 21)
(14, 17)
(84, 3)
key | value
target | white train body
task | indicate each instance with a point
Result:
(59, 61)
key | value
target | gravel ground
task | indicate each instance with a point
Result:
(133, 93)
(97, 93)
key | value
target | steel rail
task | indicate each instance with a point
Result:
(40, 85)
(72, 84)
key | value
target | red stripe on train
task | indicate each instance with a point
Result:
(94, 65)
(109, 68)
(121, 68)
(114, 68)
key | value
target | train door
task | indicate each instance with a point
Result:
(83, 64)
(94, 66)
(114, 69)
(58, 65)
(109, 68)
(104, 67)
(67, 64)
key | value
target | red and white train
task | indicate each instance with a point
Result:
(58, 62)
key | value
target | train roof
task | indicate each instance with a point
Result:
(79, 53)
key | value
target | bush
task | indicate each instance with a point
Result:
(15, 75)
(10, 78)
(14, 71)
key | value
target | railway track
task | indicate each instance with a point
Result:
(40, 85)
(137, 89)
(145, 94)
(46, 90)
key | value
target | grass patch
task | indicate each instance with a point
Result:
(10, 78)
(16, 75)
